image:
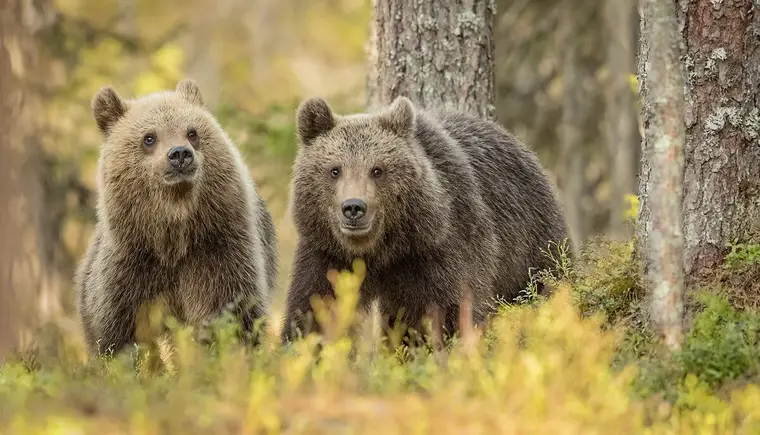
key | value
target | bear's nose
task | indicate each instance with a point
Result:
(354, 208)
(180, 157)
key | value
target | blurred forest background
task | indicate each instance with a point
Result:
(565, 85)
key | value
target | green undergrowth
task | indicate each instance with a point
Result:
(583, 360)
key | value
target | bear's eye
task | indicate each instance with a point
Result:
(377, 172)
(335, 172)
(192, 134)
(149, 139)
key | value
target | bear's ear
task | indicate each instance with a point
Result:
(190, 91)
(107, 108)
(399, 117)
(313, 118)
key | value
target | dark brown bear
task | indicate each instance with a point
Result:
(434, 202)
(179, 220)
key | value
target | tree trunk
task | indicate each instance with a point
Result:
(25, 290)
(660, 230)
(621, 116)
(722, 173)
(12, 178)
(574, 112)
(438, 53)
(9, 188)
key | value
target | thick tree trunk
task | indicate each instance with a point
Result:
(660, 231)
(622, 132)
(25, 290)
(12, 186)
(436, 52)
(721, 180)
(9, 225)
(722, 173)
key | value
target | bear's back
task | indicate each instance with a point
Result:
(521, 201)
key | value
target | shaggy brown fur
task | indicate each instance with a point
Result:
(441, 201)
(195, 234)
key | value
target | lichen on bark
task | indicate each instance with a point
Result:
(722, 174)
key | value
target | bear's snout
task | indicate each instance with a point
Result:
(180, 157)
(356, 217)
(354, 209)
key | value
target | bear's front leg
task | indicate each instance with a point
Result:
(117, 327)
(415, 291)
(309, 279)
(120, 289)
(250, 312)
(218, 283)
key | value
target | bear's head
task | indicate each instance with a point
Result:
(365, 179)
(163, 155)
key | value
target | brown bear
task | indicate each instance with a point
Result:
(434, 202)
(179, 220)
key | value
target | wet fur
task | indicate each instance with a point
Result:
(200, 252)
(464, 204)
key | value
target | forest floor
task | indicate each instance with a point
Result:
(582, 361)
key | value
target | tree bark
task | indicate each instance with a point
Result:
(438, 53)
(722, 173)
(622, 132)
(660, 231)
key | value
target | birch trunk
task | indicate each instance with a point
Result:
(660, 231)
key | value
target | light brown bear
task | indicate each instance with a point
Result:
(179, 220)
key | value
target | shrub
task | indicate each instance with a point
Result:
(576, 362)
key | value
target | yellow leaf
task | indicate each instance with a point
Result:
(632, 212)
(633, 81)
